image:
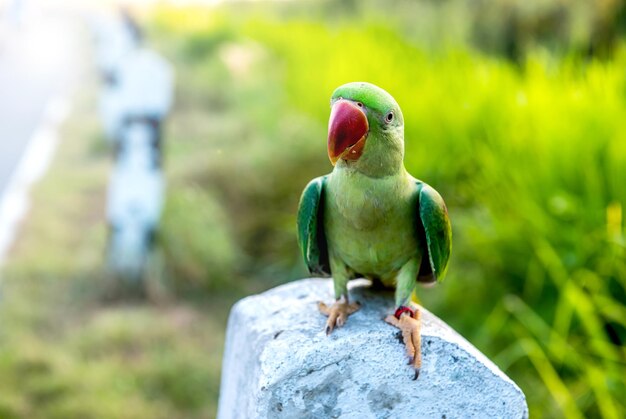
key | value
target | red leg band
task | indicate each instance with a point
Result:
(404, 309)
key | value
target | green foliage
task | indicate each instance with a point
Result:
(68, 352)
(196, 239)
(530, 159)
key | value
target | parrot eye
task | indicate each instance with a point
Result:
(389, 117)
(359, 104)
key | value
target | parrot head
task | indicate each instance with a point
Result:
(366, 129)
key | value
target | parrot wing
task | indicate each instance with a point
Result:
(311, 236)
(437, 230)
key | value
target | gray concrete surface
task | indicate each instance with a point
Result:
(278, 363)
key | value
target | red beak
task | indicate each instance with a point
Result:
(347, 131)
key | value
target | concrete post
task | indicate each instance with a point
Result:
(279, 363)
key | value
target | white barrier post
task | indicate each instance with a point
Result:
(279, 363)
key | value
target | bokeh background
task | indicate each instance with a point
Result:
(515, 113)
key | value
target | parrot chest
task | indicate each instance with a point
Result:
(370, 222)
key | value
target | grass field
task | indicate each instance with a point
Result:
(530, 159)
(67, 349)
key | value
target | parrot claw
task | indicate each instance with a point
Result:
(410, 328)
(337, 313)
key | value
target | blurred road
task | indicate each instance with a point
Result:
(39, 65)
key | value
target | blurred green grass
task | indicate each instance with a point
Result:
(528, 153)
(68, 347)
(529, 156)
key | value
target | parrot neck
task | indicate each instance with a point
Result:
(383, 156)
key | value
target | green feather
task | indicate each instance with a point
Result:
(311, 236)
(377, 100)
(438, 231)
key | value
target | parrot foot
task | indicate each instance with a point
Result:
(409, 323)
(337, 313)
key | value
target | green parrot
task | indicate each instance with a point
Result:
(369, 217)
